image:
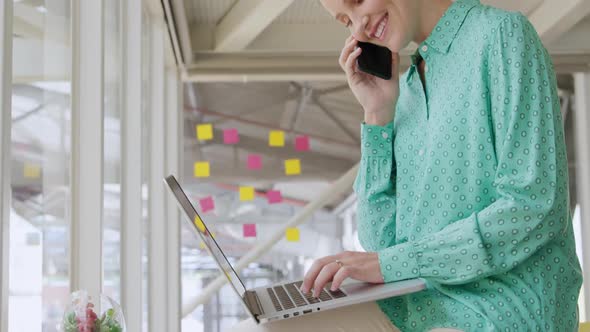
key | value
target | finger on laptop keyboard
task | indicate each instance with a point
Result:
(325, 275)
(311, 275)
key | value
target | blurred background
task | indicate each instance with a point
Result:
(83, 155)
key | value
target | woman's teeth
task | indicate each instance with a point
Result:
(381, 27)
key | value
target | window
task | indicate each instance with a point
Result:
(111, 246)
(41, 154)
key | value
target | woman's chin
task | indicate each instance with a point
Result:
(396, 45)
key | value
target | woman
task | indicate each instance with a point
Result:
(463, 178)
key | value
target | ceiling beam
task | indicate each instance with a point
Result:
(310, 67)
(245, 21)
(575, 41)
(554, 18)
(175, 55)
(267, 67)
(181, 21)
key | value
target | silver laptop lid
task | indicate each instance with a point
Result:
(199, 226)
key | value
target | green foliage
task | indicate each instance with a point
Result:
(107, 323)
(70, 324)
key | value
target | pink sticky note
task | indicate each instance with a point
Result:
(302, 143)
(230, 136)
(207, 204)
(254, 161)
(274, 196)
(249, 230)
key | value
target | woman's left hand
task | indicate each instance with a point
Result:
(363, 266)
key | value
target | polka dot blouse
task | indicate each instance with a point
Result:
(467, 187)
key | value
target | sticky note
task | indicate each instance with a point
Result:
(31, 171)
(246, 193)
(202, 169)
(202, 245)
(302, 143)
(230, 136)
(292, 167)
(254, 161)
(276, 138)
(207, 204)
(292, 234)
(274, 196)
(249, 230)
(200, 224)
(205, 131)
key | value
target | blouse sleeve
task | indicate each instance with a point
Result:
(373, 185)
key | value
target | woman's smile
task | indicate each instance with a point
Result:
(381, 28)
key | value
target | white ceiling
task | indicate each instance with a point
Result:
(220, 33)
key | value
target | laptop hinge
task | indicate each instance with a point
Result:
(253, 302)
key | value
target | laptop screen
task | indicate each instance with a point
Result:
(199, 226)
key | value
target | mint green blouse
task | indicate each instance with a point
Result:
(467, 187)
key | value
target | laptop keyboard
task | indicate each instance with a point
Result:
(288, 296)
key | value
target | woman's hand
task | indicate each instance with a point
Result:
(377, 96)
(362, 266)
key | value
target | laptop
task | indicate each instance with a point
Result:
(285, 300)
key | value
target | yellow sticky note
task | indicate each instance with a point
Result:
(202, 169)
(32, 171)
(202, 245)
(246, 193)
(292, 234)
(205, 131)
(200, 224)
(276, 138)
(292, 167)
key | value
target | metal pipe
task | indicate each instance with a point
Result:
(339, 186)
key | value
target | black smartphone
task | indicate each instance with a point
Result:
(375, 60)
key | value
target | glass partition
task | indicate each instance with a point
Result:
(41, 121)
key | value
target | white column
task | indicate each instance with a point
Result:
(131, 202)
(173, 153)
(5, 128)
(87, 147)
(158, 303)
(582, 138)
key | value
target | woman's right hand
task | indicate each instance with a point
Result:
(377, 96)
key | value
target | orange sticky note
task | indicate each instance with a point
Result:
(292, 167)
(292, 234)
(202, 169)
(205, 131)
(246, 193)
(276, 138)
(31, 171)
(200, 224)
